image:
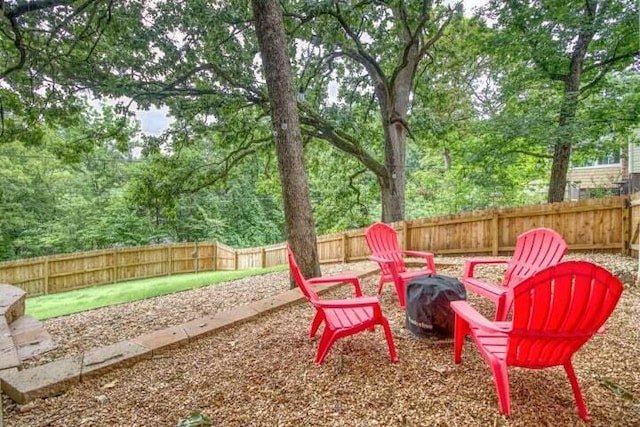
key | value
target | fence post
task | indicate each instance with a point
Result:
(345, 248)
(235, 260)
(263, 258)
(46, 275)
(403, 230)
(114, 255)
(166, 260)
(215, 256)
(495, 237)
(196, 256)
(626, 226)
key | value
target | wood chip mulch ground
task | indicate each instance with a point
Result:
(262, 373)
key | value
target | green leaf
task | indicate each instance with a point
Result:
(616, 389)
(195, 419)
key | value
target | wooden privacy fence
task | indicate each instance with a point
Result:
(60, 273)
(599, 225)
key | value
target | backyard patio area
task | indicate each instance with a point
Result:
(262, 373)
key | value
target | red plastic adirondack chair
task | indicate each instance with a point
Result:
(535, 249)
(555, 312)
(343, 317)
(382, 240)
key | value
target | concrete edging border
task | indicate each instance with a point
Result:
(56, 377)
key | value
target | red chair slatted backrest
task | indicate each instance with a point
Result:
(383, 242)
(535, 249)
(299, 278)
(556, 311)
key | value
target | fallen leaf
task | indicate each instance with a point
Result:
(27, 407)
(112, 384)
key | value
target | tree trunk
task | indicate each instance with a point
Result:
(565, 134)
(564, 140)
(559, 169)
(300, 228)
(394, 103)
(392, 185)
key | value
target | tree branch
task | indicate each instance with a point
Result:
(356, 190)
(322, 129)
(34, 6)
(612, 60)
(429, 43)
(530, 153)
(17, 42)
(224, 166)
(360, 54)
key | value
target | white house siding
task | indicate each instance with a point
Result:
(634, 157)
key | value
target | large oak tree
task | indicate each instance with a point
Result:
(372, 51)
(300, 228)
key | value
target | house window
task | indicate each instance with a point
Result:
(609, 159)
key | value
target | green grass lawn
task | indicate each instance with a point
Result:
(54, 305)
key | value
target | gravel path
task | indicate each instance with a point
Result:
(262, 373)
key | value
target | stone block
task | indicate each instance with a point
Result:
(5, 330)
(104, 359)
(8, 352)
(200, 327)
(236, 316)
(30, 338)
(277, 301)
(42, 381)
(163, 339)
(11, 302)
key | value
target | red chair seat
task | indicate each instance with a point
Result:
(340, 318)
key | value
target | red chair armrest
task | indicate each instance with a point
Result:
(470, 264)
(428, 258)
(381, 259)
(345, 278)
(493, 292)
(464, 310)
(418, 254)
